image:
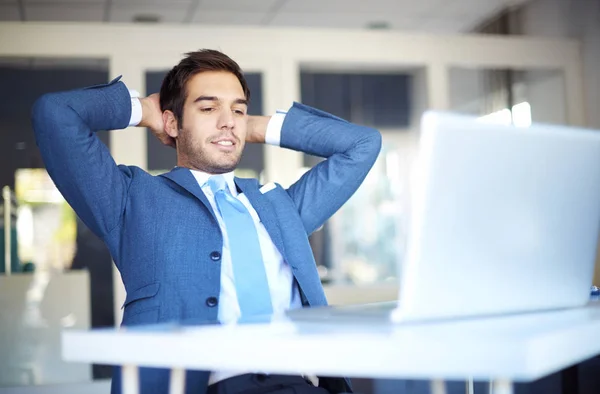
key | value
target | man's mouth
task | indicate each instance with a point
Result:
(225, 145)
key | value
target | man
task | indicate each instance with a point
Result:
(198, 243)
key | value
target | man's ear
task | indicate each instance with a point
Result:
(170, 123)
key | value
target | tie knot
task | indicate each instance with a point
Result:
(217, 183)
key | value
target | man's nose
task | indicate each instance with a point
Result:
(226, 119)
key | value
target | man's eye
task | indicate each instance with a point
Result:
(206, 109)
(239, 112)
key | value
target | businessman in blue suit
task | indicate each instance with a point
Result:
(198, 243)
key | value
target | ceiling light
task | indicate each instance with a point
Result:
(146, 18)
(379, 25)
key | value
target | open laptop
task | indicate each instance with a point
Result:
(503, 220)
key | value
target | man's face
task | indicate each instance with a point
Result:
(213, 133)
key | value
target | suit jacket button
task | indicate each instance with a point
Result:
(215, 256)
(212, 301)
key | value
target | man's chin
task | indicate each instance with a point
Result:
(222, 167)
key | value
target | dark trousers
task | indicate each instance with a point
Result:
(262, 384)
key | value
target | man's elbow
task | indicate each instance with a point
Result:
(372, 143)
(43, 111)
(50, 113)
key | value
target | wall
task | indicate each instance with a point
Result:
(545, 92)
(467, 91)
(573, 19)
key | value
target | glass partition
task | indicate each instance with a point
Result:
(392, 102)
(60, 274)
(509, 96)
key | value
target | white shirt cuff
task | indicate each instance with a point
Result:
(273, 134)
(136, 108)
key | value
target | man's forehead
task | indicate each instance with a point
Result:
(214, 80)
(215, 93)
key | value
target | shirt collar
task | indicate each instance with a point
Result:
(202, 178)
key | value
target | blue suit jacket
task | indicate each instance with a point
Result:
(161, 230)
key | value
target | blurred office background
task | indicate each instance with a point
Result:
(379, 62)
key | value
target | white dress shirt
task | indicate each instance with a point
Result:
(283, 289)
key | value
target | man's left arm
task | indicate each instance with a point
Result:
(350, 151)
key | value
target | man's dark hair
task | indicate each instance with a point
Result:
(173, 92)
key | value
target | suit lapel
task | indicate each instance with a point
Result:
(261, 204)
(184, 178)
(263, 207)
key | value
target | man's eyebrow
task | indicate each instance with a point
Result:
(206, 98)
(214, 98)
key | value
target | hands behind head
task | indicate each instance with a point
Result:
(152, 118)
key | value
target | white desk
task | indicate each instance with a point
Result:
(506, 349)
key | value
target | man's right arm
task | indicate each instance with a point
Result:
(78, 162)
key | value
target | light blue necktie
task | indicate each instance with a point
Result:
(250, 277)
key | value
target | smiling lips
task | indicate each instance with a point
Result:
(225, 144)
